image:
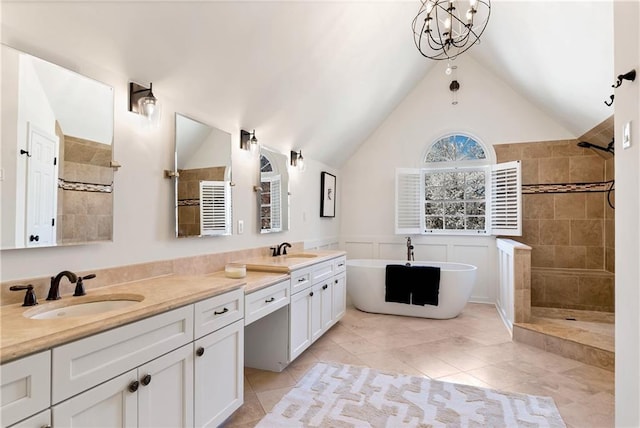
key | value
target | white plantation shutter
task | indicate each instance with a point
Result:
(506, 199)
(215, 208)
(409, 188)
(276, 204)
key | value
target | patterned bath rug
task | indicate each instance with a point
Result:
(336, 395)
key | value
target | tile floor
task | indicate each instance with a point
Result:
(474, 348)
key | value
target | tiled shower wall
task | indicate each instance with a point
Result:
(568, 230)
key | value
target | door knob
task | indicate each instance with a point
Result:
(146, 380)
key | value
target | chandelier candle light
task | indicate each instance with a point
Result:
(443, 29)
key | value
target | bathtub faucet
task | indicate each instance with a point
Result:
(409, 250)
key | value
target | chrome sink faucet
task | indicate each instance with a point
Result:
(410, 256)
(54, 291)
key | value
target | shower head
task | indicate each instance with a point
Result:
(605, 152)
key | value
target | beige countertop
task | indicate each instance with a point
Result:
(290, 262)
(21, 336)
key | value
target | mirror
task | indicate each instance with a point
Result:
(57, 147)
(273, 194)
(203, 185)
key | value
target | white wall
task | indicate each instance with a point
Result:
(143, 199)
(488, 109)
(627, 166)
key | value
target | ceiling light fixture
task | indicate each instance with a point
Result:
(248, 140)
(297, 160)
(143, 102)
(443, 29)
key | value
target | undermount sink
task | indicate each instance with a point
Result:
(93, 306)
(301, 256)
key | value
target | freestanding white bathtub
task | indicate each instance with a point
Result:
(366, 287)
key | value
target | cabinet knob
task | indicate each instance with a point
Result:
(311, 294)
(270, 300)
(225, 310)
(133, 386)
(146, 380)
(200, 351)
(324, 287)
(301, 279)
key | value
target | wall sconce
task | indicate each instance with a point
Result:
(143, 102)
(297, 160)
(248, 140)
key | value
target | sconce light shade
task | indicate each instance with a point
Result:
(297, 160)
(143, 102)
(248, 140)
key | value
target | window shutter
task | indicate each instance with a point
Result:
(506, 199)
(215, 208)
(408, 201)
(276, 204)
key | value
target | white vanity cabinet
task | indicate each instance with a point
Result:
(180, 368)
(145, 390)
(318, 301)
(158, 393)
(219, 358)
(25, 388)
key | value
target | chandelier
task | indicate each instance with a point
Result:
(443, 29)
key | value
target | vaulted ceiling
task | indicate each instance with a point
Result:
(320, 76)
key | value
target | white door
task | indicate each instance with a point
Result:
(299, 323)
(112, 404)
(165, 394)
(219, 375)
(339, 305)
(316, 311)
(325, 293)
(42, 188)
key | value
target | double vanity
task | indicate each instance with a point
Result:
(173, 354)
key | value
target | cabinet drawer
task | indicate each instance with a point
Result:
(322, 271)
(214, 313)
(300, 280)
(80, 365)
(41, 420)
(339, 265)
(265, 301)
(25, 387)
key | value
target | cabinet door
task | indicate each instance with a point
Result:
(299, 323)
(111, 404)
(165, 395)
(219, 375)
(339, 292)
(316, 311)
(326, 304)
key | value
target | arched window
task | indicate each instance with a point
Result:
(455, 148)
(459, 191)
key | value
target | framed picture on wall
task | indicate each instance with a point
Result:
(327, 195)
